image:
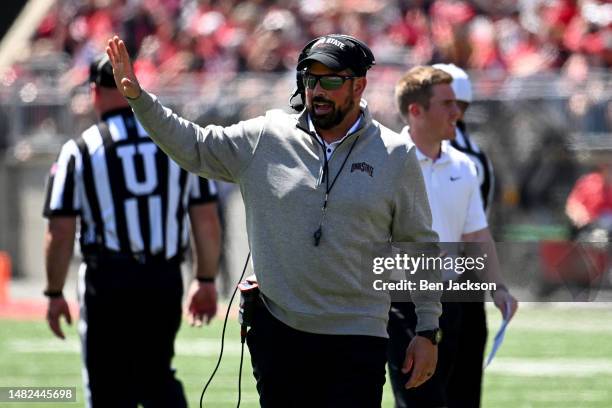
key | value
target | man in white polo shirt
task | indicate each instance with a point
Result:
(464, 386)
(427, 102)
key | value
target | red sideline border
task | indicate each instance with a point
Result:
(36, 309)
(31, 309)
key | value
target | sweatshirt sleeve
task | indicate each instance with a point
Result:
(412, 223)
(214, 152)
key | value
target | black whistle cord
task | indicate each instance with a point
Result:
(240, 373)
(223, 340)
(328, 188)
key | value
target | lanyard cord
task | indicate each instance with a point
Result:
(319, 232)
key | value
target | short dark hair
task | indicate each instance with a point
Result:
(415, 86)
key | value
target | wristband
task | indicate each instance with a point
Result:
(205, 279)
(53, 294)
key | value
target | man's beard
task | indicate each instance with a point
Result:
(334, 117)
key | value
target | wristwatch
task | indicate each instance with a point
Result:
(435, 336)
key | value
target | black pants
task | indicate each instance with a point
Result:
(298, 369)
(464, 385)
(457, 380)
(130, 314)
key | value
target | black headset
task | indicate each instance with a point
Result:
(367, 60)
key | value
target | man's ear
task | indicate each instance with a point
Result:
(414, 109)
(359, 86)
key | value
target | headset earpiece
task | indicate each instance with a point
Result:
(298, 92)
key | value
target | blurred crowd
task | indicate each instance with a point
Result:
(211, 37)
(540, 68)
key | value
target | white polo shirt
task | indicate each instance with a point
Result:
(452, 186)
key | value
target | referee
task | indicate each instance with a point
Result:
(133, 203)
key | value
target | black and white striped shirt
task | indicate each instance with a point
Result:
(486, 177)
(131, 198)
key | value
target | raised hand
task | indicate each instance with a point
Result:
(125, 79)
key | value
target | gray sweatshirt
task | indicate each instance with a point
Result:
(379, 196)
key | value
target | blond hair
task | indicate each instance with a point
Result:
(415, 86)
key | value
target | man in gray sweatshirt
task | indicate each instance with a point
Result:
(321, 189)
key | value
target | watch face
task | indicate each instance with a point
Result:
(435, 336)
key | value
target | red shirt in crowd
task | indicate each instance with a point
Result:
(590, 198)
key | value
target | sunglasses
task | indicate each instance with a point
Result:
(328, 82)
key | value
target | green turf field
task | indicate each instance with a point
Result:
(552, 357)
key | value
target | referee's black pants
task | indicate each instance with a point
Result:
(130, 314)
(299, 369)
(456, 382)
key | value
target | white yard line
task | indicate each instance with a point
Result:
(561, 326)
(524, 367)
(199, 347)
(557, 317)
(551, 367)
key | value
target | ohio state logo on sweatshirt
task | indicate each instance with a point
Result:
(364, 167)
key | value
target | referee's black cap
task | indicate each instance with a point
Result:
(101, 72)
